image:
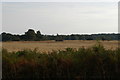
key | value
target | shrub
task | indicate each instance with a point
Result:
(70, 64)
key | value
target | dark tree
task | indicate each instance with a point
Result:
(59, 38)
(30, 35)
(7, 37)
(38, 36)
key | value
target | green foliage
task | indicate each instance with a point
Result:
(38, 36)
(30, 35)
(94, 63)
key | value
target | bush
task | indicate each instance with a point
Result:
(70, 64)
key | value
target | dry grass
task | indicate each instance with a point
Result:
(48, 46)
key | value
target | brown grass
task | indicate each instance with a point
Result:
(48, 46)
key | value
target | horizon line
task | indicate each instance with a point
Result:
(64, 33)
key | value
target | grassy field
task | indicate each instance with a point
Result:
(94, 63)
(97, 60)
(48, 46)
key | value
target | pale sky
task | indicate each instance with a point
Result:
(60, 0)
(61, 17)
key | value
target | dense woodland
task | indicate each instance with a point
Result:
(31, 35)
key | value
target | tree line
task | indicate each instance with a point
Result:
(31, 35)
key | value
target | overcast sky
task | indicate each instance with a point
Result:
(60, 0)
(61, 17)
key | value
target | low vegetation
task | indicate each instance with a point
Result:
(95, 63)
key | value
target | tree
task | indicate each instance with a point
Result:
(59, 38)
(15, 38)
(38, 36)
(30, 35)
(6, 36)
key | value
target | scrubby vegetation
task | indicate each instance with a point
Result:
(95, 63)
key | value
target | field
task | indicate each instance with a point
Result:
(48, 46)
(95, 61)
